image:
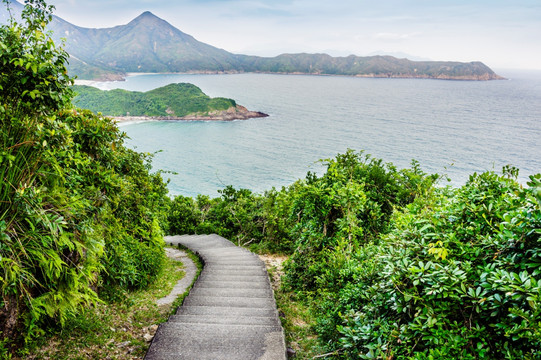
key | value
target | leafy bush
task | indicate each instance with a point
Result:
(240, 215)
(127, 201)
(184, 217)
(350, 205)
(34, 75)
(72, 197)
(457, 277)
(48, 254)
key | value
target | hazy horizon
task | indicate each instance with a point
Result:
(501, 34)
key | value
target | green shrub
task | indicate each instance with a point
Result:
(128, 202)
(350, 205)
(395, 267)
(261, 221)
(457, 277)
(184, 216)
(48, 254)
(72, 196)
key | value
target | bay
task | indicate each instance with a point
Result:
(451, 127)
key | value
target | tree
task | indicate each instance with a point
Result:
(33, 73)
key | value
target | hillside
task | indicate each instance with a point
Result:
(368, 66)
(172, 102)
(150, 44)
(147, 44)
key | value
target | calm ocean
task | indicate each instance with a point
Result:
(450, 127)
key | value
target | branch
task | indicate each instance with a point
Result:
(336, 352)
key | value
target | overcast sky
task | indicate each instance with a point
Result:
(501, 33)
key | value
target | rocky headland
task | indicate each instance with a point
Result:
(173, 102)
(233, 113)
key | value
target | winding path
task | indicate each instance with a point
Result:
(230, 312)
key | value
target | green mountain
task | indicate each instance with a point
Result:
(171, 100)
(174, 102)
(150, 44)
(146, 44)
(369, 66)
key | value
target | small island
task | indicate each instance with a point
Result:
(174, 102)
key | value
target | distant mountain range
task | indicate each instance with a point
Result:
(150, 44)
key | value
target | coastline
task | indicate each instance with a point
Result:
(483, 77)
(234, 113)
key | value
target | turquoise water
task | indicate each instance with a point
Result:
(450, 127)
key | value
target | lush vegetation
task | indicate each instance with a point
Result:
(79, 212)
(392, 265)
(174, 100)
(456, 277)
(383, 262)
(112, 330)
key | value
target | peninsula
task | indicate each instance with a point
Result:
(180, 101)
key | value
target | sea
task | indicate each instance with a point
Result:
(453, 128)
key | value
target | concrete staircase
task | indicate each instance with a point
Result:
(230, 312)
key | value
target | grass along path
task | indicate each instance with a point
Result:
(295, 314)
(119, 330)
(182, 286)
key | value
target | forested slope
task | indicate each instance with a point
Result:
(175, 100)
(80, 212)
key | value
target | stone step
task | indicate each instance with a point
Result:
(230, 312)
(239, 302)
(214, 266)
(229, 284)
(229, 277)
(233, 256)
(227, 293)
(235, 262)
(232, 259)
(225, 319)
(227, 251)
(178, 341)
(257, 280)
(211, 246)
(220, 311)
(234, 272)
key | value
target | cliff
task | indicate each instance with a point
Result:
(233, 113)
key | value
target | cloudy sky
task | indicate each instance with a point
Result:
(501, 33)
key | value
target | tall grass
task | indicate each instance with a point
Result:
(18, 165)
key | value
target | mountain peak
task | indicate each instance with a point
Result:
(147, 19)
(147, 14)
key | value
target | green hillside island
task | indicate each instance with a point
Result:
(172, 102)
(150, 44)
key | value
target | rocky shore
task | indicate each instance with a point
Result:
(233, 113)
